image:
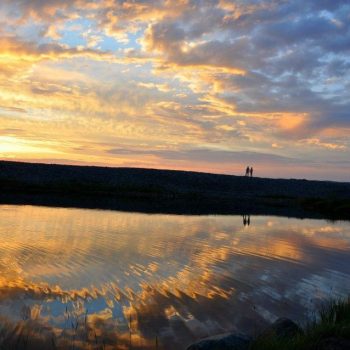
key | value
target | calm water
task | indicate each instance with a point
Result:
(79, 278)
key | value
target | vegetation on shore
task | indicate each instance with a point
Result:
(330, 331)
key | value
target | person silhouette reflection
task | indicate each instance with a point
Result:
(246, 220)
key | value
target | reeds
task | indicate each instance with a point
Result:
(332, 322)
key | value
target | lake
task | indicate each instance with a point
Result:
(106, 279)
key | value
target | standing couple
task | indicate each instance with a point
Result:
(249, 171)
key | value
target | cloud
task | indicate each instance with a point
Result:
(160, 87)
(271, 49)
(13, 48)
(317, 142)
(211, 156)
(189, 74)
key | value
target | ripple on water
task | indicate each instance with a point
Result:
(130, 275)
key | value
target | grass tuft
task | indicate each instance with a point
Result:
(333, 321)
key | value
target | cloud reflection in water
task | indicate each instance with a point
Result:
(93, 277)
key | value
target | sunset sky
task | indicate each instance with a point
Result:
(210, 85)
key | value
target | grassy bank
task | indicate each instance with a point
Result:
(330, 331)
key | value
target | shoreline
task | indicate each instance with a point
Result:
(329, 331)
(167, 191)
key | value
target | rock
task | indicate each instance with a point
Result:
(334, 343)
(282, 328)
(232, 341)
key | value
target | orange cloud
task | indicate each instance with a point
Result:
(14, 50)
(317, 142)
(178, 75)
(291, 121)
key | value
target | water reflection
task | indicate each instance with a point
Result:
(97, 279)
(246, 220)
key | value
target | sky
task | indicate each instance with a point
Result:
(198, 85)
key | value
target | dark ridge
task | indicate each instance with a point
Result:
(181, 192)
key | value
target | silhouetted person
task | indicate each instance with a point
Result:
(248, 220)
(251, 172)
(247, 171)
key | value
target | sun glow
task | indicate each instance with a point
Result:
(10, 145)
(172, 75)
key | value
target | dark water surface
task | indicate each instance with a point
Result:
(82, 278)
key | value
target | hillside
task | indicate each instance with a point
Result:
(225, 193)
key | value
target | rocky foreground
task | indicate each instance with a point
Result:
(170, 191)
